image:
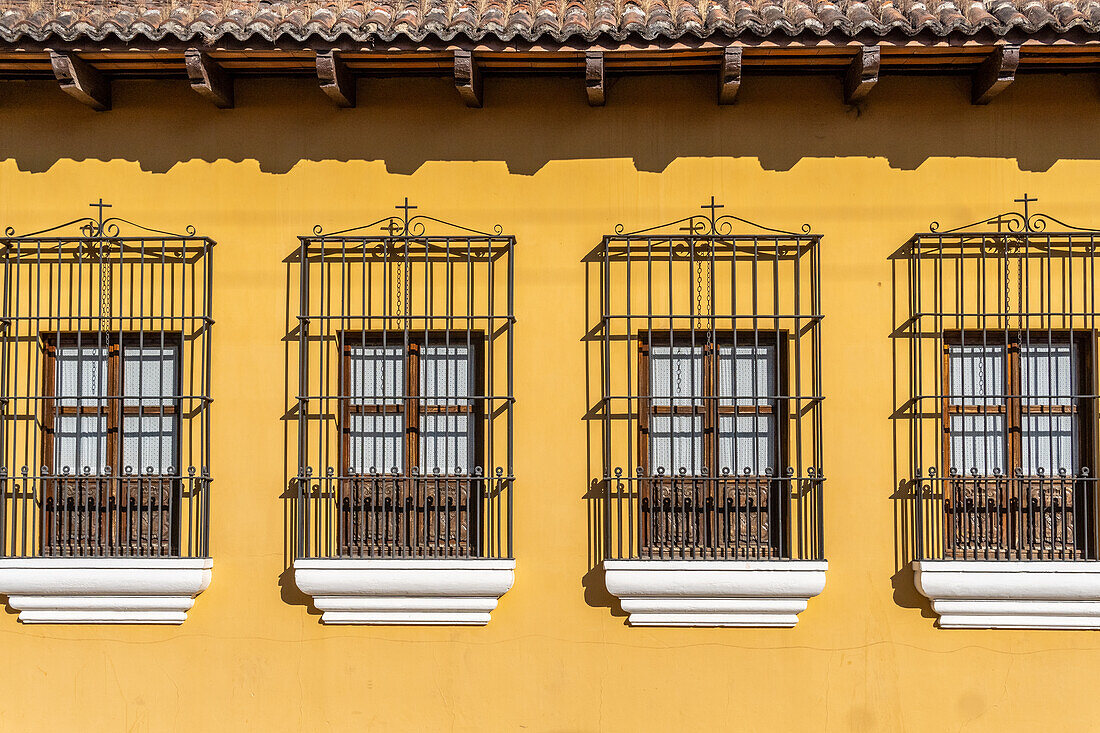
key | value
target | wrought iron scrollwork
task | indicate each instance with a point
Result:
(406, 224)
(99, 227)
(708, 224)
(1015, 222)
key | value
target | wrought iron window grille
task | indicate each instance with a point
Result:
(105, 391)
(710, 405)
(405, 399)
(999, 318)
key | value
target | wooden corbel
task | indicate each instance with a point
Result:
(594, 79)
(336, 79)
(468, 78)
(81, 81)
(862, 74)
(995, 73)
(729, 77)
(208, 78)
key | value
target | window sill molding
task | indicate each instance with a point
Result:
(405, 592)
(976, 594)
(733, 593)
(67, 590)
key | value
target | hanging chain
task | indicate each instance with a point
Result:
(1020, 300)
(710, 283)
(402, 297)
(104, 292)
(398, 290)
(698, 289)
(1019, 292)
(700, 267)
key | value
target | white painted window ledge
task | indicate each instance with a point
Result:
(714, 592)
(974, 594)
(66, 590)
(405, 592)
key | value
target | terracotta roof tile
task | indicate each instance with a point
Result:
(387, 20)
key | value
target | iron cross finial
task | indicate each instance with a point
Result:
(713, 207)
(101, 206)
(1027, 214)
(405, 208)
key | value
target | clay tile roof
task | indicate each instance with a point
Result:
(531, 20)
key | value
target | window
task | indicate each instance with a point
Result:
(113, 403)
(709, 409)
(404, 403)
(410, 412)
(410, 405)
(709, 442)
(708, 339)
(112, 407)
(105, 376)
(1014, 442)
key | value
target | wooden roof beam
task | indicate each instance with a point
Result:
(208, 78)
(81, 81)
(336, 79)
(862, 74)
(468, 78)
(595, 78)
(995, 73)
(729, 77)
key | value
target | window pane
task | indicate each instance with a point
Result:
(149, 374)
(80, 441)
(445, 439)
(445, 443)
(148, 441)
(81, 381)
(747, 377)
(1047, 374)
(445, 374)
(81, 375)
(374, 443)
(675, 442)
(376, 375)
(977, 375)
(675, 374)
(1049, 443)
(978, 442)
(746, 441)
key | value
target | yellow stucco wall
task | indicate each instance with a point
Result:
(558, 175)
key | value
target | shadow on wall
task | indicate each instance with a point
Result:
(595, 495)
(905, 496)
(650, 120)
(288, 590)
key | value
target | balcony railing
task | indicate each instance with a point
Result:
(104, 515)
(1006, 517)
(392, 516)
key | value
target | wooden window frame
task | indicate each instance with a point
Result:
(413, 407)
(114, 407)
(712, 516)
(115, 514)
(711, 409)
(1013, 407)
(407, 515)
(1015, 515)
